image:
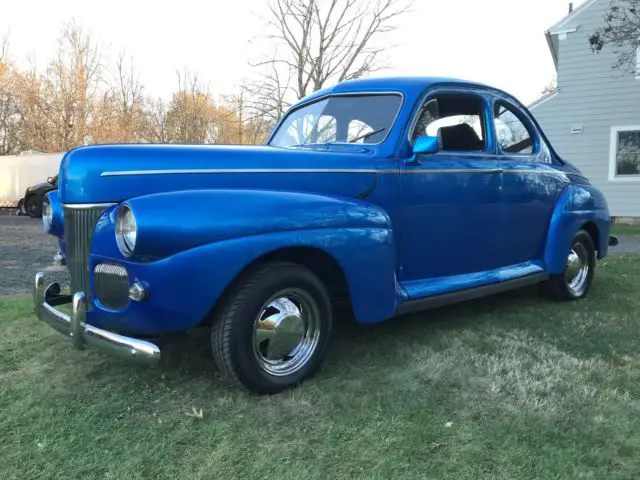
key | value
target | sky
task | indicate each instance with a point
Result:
(496, 42)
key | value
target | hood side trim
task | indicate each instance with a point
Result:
(234, 171)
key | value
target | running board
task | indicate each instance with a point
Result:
(434, 301)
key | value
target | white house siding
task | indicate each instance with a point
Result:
(596, 98)
(17, 172)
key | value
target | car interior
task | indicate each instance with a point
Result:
(456, 120)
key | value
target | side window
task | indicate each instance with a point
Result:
(512, 135)
(457, 120)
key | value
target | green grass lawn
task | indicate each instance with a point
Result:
(508, 387)
(618, 229)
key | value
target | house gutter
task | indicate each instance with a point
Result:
(554, 54)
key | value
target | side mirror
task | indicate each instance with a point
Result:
(424, 145)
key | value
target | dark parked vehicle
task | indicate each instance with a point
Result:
(31, 204)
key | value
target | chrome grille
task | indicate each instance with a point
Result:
(111, 285)
(79, 223)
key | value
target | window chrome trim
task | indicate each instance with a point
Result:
(537, 141)
(435, 90)
(341, 94)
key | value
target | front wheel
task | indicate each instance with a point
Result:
(272, 330)
(575, 281)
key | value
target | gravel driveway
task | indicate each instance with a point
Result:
(25, 249)
(628, 244)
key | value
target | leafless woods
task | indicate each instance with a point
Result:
(81, 98)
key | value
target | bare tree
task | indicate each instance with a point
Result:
(129, 97)
(156, 129)
(325, 41)
(191, 111)
(266, 98)
(4, 49)
(550, 87)
(10, 107)
(621, 31)
(70, 87)
(242, 119)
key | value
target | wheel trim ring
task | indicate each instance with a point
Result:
(577, 272)
(300, 355)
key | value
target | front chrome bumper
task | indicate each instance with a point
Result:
(82, 334)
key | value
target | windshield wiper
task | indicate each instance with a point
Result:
(367, 135)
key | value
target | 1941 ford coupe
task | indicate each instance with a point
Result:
(394, 194)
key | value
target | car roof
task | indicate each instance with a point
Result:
(409, 86)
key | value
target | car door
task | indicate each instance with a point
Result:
(531, 183)
(451, 200)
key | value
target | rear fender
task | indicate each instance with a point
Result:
(577, 206)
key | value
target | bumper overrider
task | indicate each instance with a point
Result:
(81, 334)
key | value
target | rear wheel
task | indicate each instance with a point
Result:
(575, 281)
(273, 328)
(33, 206)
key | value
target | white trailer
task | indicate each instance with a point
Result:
(17, 172)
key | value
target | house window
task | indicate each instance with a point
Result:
(625, 153)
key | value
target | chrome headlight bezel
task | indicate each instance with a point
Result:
(47, 214)
(126, 230)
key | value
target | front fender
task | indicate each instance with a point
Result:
(184, 287)
(57, 223)
(172, 222)
(576, 206)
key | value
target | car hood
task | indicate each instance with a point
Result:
(114, 173)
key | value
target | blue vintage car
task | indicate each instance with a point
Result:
(396, 194)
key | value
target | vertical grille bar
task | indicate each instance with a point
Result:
(79, 223)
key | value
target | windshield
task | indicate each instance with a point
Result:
(364, 119)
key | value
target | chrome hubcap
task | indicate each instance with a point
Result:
(286, 332)
(577, 272)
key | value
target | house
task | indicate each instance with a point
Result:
(592, 119)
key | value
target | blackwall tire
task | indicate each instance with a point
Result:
(574, 283)
(272, 329)
(33, 206)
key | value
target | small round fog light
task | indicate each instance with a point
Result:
(137, 292)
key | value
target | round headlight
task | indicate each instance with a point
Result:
(47, 214)
(126, 231)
